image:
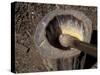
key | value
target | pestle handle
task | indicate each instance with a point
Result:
(69, 41)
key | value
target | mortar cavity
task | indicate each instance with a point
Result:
(64, 24)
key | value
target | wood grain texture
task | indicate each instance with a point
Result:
(27, 17)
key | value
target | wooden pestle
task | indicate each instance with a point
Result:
(70, 41)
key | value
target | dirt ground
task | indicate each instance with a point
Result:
(27, 16)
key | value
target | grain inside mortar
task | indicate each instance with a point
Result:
(64, 24)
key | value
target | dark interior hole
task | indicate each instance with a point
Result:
(53, 29)
(90, 60)
(53, 32)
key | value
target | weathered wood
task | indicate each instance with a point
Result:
(51, 25)
(27, 17)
